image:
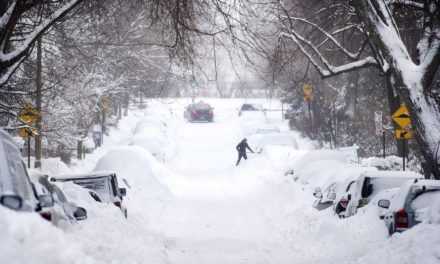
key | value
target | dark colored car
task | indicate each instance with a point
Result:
(199, 112)
(103, 185)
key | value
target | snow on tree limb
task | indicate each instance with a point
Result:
(9, 59)
(329, 36)
(405, 2)
(331, 70)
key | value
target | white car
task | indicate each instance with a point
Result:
(16, 191)
(416, 201)
(371, 183)
(328, 191)
(259, 141)
(250, 108)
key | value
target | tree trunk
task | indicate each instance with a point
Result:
(351, 95)
(394, 103)
(409, 79)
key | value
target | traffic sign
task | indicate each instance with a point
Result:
(401, 116)
(28, 132)
(378, 122)
(105, 104)
(308, 98)
(404, 133)
(29, 114)
(307, 89)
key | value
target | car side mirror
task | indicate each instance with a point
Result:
(349, 197)
(318, 195)
(331, 196)
(383, 203)
(45, 200)
(13, 202)
(80, 213)
(123, 191)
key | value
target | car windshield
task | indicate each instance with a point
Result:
(380, 184)
(425, 199)
(99, 185)
(202, 106)
(251, 107)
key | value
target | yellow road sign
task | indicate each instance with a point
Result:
(404, 133)
(307, 89)
(29, 114)
(28, 132)
(308, 98)
(401, 116)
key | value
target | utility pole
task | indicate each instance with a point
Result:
(39, 85)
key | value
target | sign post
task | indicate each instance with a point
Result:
(308, 98)
(403, 119)
(27, 133)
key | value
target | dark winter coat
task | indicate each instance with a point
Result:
(242, 146)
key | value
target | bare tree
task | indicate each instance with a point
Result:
(382, 47)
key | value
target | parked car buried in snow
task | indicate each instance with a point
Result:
(56, 208)
(250, 108)
(371, 183)
(16, 190)
(103, 184)
(413, 203)
(199, 112)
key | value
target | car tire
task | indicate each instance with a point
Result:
(126, 214)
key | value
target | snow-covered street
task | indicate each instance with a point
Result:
(196, 206)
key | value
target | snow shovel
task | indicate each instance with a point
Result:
(256, 152)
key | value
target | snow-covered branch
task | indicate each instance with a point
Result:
(405, 2)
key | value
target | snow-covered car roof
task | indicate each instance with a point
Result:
(251, 107)
(281, 139)
(393, 174)
(93, 174)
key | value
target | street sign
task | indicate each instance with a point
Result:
(378, 122)
(401, 116)
(308, 98)
(307, 89)
(105, 104)
(404, 133)
(28, 132)
(29, 114)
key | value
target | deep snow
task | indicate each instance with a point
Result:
(196, 206)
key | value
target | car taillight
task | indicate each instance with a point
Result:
(118, 204)
(344, 203)
(210, 112)
(401, 220)
(193, 111)
(46, 215)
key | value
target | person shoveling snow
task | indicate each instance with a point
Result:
(241, 148)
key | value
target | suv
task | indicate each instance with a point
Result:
(372, 182)
(103, 186)
(411, 204)
(16, 191)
